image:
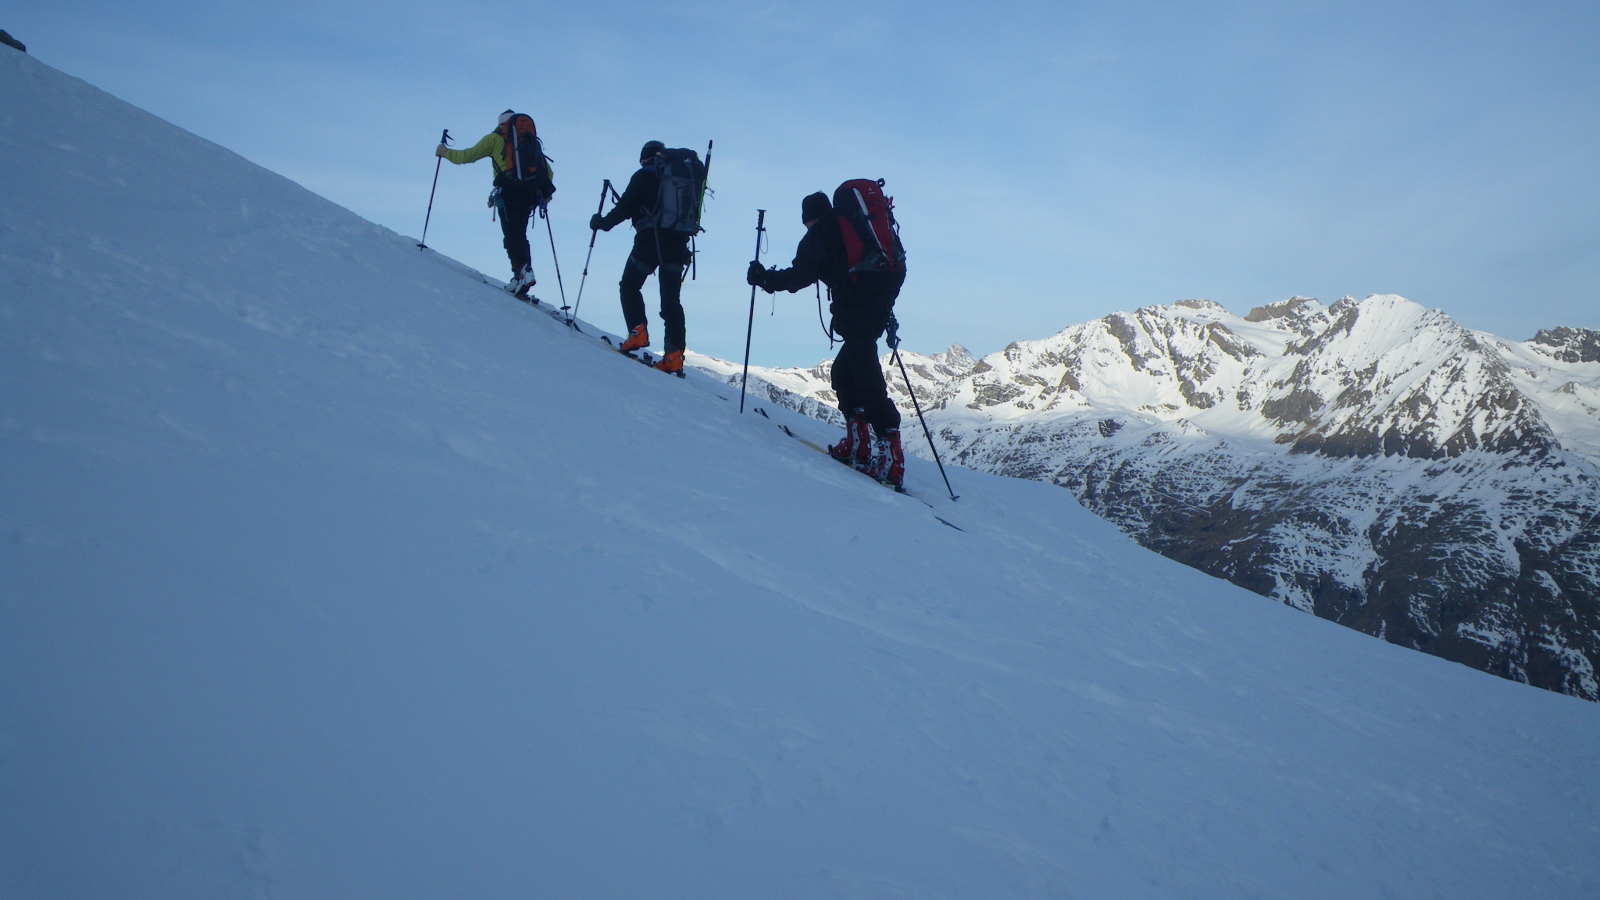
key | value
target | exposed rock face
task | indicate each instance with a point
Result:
(1372, 462)
(1570, 345)
(10, 41)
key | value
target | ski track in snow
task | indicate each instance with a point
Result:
(332, 572)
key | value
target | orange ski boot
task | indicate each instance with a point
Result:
(638, 339)
(672, 363)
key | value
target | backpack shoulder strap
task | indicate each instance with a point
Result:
(508, 142)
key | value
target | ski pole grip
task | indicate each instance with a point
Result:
(445, 138)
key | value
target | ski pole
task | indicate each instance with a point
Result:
(423, 244)
(893, 341)
(761, 219)
(593, 233)
(544, 210)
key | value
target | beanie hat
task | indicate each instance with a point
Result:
(650, 149)
(815, 207)
(506, 115)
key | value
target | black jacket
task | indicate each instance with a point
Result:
(637, 201)
(821, 257)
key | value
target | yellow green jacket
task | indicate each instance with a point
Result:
(492, 146)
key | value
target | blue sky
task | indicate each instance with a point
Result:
(1051, 162)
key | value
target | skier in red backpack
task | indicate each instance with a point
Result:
(852, 245)
(522, 183)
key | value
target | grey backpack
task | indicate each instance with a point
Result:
(682, 180)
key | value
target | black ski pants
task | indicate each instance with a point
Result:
(516, 203)
(641, 262)
(857, 377)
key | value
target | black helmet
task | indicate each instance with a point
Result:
(650, 149)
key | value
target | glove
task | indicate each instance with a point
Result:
(596, 223)
(757, 276)
(439, 151)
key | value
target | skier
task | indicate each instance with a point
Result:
(660, 241)
(521, 185)
(861, 309)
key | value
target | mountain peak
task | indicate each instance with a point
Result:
(956, 357)
(1294, 306)
(1570, 345)
(1210, 305)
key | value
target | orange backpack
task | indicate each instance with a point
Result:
(525, 160)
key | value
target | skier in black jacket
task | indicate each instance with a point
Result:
(859, 318)
(652, 248)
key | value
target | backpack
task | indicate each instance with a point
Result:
(525, 159)
(873, 254)
(682, 179)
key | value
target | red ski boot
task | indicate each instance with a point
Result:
(856, 447)
(888, 463)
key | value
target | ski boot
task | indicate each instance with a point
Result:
(856, 447)
(522, 282)
(888, 463)
(638, 339)
(672, 363)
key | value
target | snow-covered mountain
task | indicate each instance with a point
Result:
(331, 572)
(810, 391)
(1372, 462)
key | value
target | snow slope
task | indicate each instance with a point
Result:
(331, 572)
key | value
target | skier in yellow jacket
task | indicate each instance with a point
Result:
(521, 185)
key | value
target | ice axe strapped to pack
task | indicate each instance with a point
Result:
(873, 253)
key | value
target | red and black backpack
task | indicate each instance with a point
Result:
(873, 253)
(525, 160)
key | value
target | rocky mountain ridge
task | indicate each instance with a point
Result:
(1372, 461)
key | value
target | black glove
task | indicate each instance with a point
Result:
(596, 223)
(757, 276)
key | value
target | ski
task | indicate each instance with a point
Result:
(898, 489)
(643, 357)
(548, 309)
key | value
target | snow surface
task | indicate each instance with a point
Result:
(331, 572)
